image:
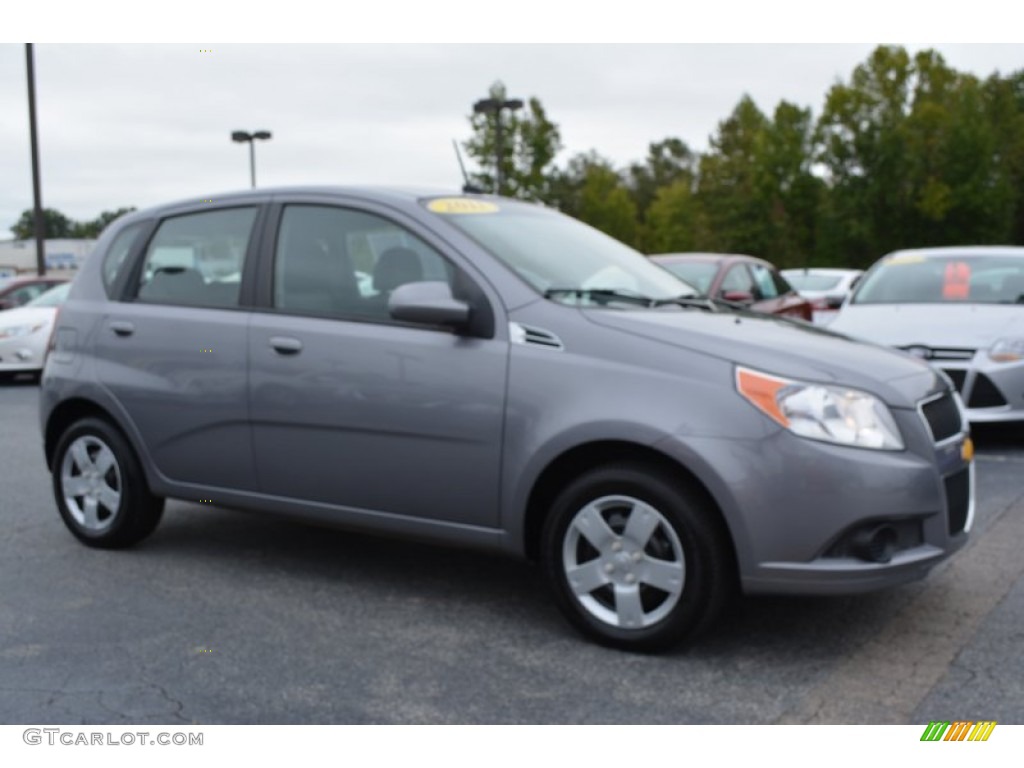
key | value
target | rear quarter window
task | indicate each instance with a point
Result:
(115, 260)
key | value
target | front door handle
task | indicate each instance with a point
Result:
(285, 345)
(122, 327)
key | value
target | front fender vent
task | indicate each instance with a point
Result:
(533, 336)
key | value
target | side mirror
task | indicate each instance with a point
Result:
(834, 302)
(430, 303)
(738, 297)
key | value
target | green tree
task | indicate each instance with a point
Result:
(729, 188)
(591, 190)
(55, 225)
(862, 152)
(92, 229)
(788, 190)
(530, 142)
(668, 161)
(675, 221)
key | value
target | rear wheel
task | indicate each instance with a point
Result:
(636, 560)
(100, 489)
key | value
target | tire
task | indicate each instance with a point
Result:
(100, 489)
(635, 558)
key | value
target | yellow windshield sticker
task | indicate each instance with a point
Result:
(461, 205)
(906, 258)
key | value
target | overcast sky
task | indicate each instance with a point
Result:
(143, 124)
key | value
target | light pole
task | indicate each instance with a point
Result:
(243, 136)
(495, 107)
(37, 202)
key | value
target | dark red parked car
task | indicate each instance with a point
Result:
(20, 290)
(740, 279)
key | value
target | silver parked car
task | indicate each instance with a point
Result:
(961, 309)
(516, 382)
(825, 287)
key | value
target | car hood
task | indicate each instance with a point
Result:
(785, 348)
(26, 316)
(968, 326)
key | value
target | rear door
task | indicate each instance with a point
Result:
(173, 350)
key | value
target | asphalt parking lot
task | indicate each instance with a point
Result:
(222, 617)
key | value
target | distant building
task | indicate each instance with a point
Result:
(63, 255)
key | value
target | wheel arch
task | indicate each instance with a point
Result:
(574, 461)
(66, 414)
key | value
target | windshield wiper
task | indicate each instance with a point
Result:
(608, 294)
(711, 305)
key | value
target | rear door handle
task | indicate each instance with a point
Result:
(285, 345)
(122, 327)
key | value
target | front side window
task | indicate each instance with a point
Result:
(197, 259)
(738, 280)
(768, 285)
(343, 263)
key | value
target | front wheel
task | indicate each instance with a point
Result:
(636, 560)
(100, 489)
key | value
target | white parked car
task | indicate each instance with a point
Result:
(825, 288)
(25, 331)
(959, 308)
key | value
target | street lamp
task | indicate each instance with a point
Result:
(243, 136)
(495, 107)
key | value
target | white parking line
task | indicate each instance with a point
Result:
(885, 680)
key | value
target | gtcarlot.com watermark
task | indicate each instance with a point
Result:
(68, 738)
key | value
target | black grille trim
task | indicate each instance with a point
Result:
(984, 393)
(943, 417)
(958, 500)
(958, 376)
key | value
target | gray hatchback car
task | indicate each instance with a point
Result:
(509, 379)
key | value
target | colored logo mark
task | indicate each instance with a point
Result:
(958, 730)
(206, 350)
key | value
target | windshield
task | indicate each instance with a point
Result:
(697, 273)
(52, 298)
(915, 279)
(558, 255)
(804, 281)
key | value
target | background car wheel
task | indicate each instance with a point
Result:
(636, 560)
(100, 489)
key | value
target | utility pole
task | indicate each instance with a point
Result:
(37, 195)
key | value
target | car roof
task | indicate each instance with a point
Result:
(961, 251)
(381, 194)
(708, 257)
(820, 271)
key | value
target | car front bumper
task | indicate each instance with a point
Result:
(992, 392)
(800, 511)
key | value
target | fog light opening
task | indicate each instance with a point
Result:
(876, 545)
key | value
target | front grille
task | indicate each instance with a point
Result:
(984, 393)
(958, 499)
(957, 376)
(951, 354)
(943, 417)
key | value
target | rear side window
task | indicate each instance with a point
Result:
(115, 258)
(197, 259)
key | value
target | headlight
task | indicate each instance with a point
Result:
(1007, 350)
(822, 411)
(13, 331)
